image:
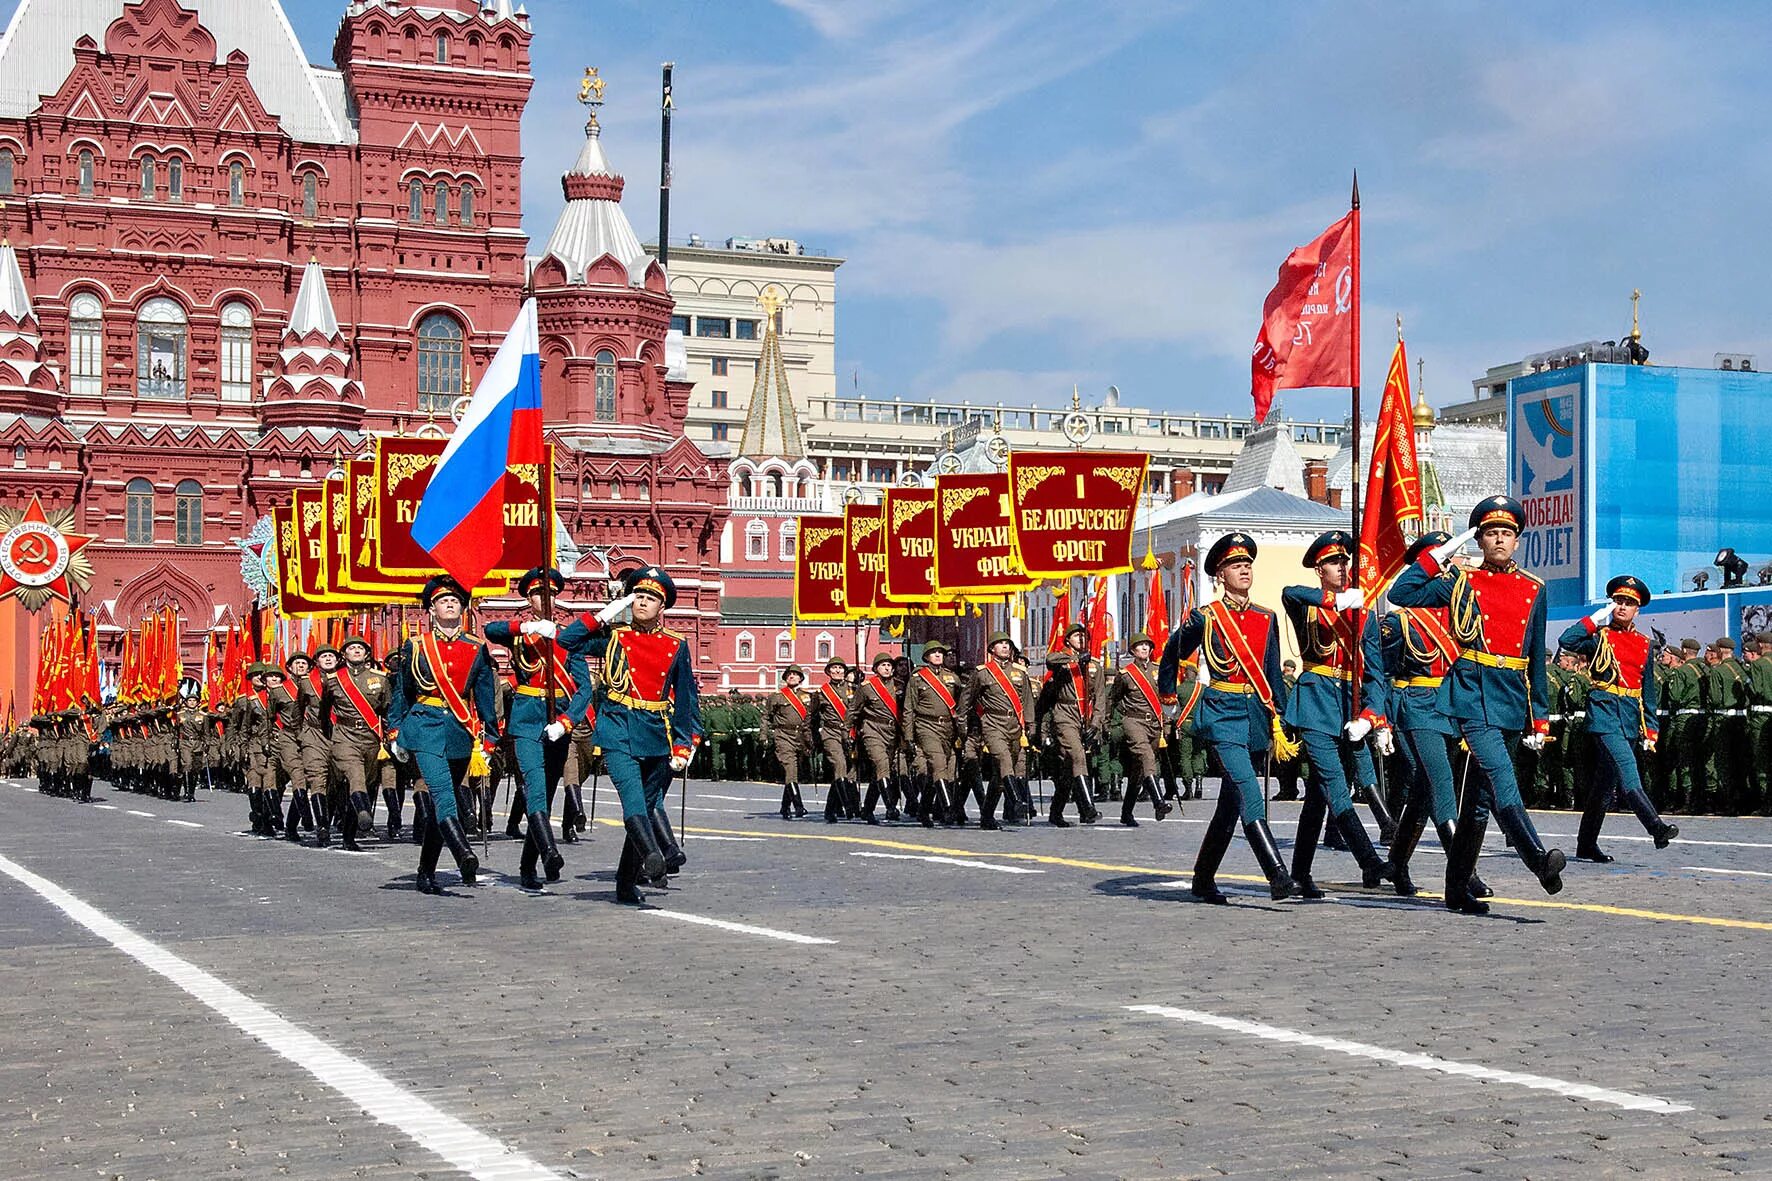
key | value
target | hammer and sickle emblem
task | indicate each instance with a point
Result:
(1344, 291)
(33, 548)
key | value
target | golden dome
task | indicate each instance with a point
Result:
(1424, 414)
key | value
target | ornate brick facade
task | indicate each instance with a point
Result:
(172, 169)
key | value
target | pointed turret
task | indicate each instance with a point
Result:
(27, 384)
(771, 425)
(312, 383)
(593, 226)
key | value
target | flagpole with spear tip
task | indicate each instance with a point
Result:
(1354, 466)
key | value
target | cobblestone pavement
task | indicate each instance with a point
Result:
(960, 1019)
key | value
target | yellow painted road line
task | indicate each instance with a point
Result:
(1702, 920)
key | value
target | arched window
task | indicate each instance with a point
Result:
(415, 202)
(86, 344)
(236, 185)
(440, 204)
(824, 647)
(442, 49)
(605, 386)
(188, 519)
(160, 338)
(147, 178)
(756, 541)
(86, 172)
(744, 483)
(439, 361)
(467, 205)
(175, 179)
(6, 171)
(747, 648)
(615, 490)
(790, 532)
(236, 352)
(784, 648)
(138, 512)
(310, 195)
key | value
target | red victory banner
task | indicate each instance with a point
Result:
(818, 569)
(308, 512)
(292, 596)
(1393, 490)
(864, 561)
(1310, 319)
(1074, 510)
(403, 470)
(910, 546)
(355, 571)
(975, 537)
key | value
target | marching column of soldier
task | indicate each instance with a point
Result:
(1459, 698)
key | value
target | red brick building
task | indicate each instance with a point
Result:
(225, 267)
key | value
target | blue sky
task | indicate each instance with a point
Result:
(1032, 193)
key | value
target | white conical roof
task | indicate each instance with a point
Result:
(593, 224)
(313, 305)
(15, 301)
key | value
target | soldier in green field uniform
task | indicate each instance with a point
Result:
(710, 757)
(1288, 771)
(1574, 766)
(1724, 693)
(1681, 693)
(747, 720)
(1759, 728)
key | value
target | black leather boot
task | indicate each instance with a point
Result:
(1373, 868)
(627, 873)
(348, 829)
(908, 785)
(1547, 865)
(1381, 812)
(1213, 845)
(298, 804)
(1461, 858)
(255, 812)
(1477, 887)
(651, 861)
(875, 789)
(787, 801)
(1061, 794)
(364, 809)
(799, 800)
(1029, 813)
(1410, 826)
(430, 842)
(1587, 833)
(457, 839)
(575, 796)
(526, 875)
(514, 818)
(541, 838)
(1267, 855)
(675, 858)
(930, 802)
(833, 802)
(1155, 795)
(1127, 802)
(1651, 820)
(852, 799)
(1304, 841)
(391, 797)
(987, 811)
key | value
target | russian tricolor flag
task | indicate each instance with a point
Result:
(461, 518)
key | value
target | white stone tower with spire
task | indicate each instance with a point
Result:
(28, 384)
(312, 383)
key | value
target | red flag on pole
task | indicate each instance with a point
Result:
(1096, 616)
(1309, 317)
(1156, 612)
(1061, 617)
(1393, 489)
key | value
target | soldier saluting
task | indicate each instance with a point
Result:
(648, 721)
(1621, 709)
(1495, 691)
(442, 701)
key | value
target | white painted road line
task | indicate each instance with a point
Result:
(473, 1152)
(1679, 840)
(185, 823)
(133, 812)
(949, 861)
(1537, 1082)
(1752, 873)
(741, 928)
(106, 807)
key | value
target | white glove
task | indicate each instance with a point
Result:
(398, 751)
(614, 609)
(1442, 552)
(1603, 616)
(1386, 741)
(1350, 599)
(1533, 741)
(555, 731)
(1357, 730)
(544, 628)
(678, 762)
(1172, 711)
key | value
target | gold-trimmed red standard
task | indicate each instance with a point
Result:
(818, 568)
(975, 537)
(1074, 510)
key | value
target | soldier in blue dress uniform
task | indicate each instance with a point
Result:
(1495, 690)
(442, 704)
(541, 740)
(648, 718)
(1238, 711)
(1325, 618)
(1621, 711)
(1408, 652)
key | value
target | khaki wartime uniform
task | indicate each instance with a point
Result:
(877, 734)
(832, 714)
(193, 746)
(358, 759)
(1134, 699)
(1069, 714)
(786, 730)
(1002, 698)
(932, 728)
